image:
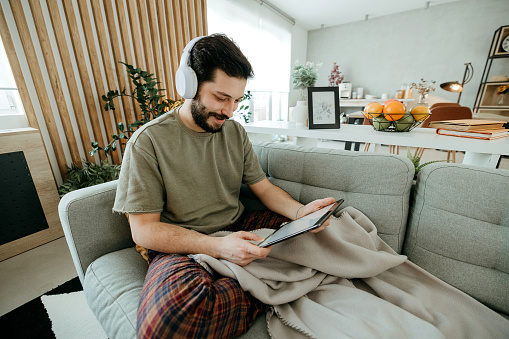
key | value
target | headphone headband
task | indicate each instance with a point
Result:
(185, 77)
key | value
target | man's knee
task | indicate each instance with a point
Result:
(190, 303)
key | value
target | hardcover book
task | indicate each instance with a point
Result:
(485, 134)
(467, 124)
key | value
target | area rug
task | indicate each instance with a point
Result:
(62, 313)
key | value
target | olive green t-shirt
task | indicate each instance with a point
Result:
(192, 178)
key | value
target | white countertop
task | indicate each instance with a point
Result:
(418, 137)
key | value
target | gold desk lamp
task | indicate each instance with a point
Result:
(455, 86)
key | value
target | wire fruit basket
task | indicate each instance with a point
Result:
(393, 116)
(400, 122)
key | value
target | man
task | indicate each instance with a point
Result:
(180, 181)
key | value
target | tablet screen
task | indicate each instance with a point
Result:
(302, 225)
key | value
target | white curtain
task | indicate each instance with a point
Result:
(265, 38)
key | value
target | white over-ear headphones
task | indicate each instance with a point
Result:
(185, 78)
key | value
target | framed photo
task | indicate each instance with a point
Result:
(323, 107)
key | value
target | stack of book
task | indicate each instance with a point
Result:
(471, 128)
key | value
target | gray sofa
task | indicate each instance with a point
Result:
(453, 222)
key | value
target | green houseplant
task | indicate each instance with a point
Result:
(151, 102)
(152, 105)
(243, 111)
(88, 175)
(305, 76)
(416, 160)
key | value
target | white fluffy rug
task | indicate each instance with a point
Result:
(71, 318)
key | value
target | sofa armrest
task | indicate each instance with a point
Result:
(90, 227)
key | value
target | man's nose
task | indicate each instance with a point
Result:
(229, 108)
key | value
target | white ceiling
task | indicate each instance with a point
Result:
(312, 14)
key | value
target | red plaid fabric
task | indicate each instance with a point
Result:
(180, 299)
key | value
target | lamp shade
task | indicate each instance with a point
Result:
(452, 86)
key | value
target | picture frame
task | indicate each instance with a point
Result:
(323, 107)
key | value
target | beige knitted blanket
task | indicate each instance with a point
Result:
(345, 282)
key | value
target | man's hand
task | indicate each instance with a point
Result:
(314, 206)
(237, 249)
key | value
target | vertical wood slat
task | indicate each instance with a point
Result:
(128, 55)
(80, 57)
(106, 62)
(165, 51)
(145, 36)
(138, 61)
(186, 30)
(69, 74)
(153, 34)
(56, 85)
(42, 95)
(117, 56)
(173, 41)
(93, 57)
(156, 48)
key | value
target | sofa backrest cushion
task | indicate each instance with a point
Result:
(459, 229)
(377, 184)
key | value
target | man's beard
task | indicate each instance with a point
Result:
(201, 116)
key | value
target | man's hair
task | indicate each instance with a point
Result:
(218, 51)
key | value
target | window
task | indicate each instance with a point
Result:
(12, 114)
(265, 38)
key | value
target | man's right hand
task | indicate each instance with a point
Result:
(237, 249)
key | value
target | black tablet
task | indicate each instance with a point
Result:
(302, 225)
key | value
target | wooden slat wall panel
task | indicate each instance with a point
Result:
(42, 95)
(72, 48)
(97, 74)
(71, 80)
(128, 53)
(56, 85)
(79, 54)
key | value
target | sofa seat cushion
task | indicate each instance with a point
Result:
(459, 230)
(112, 288)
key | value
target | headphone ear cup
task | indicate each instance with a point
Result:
(185, 77)
(186, 82)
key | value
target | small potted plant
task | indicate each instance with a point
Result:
(303, 76)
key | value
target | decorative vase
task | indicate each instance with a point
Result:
(500, 101)
(299, 113)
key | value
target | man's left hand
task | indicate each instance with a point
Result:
(314, 206)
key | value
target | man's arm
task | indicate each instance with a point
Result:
(148, 231)
(277, 200)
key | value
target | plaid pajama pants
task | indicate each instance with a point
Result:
(180, 299)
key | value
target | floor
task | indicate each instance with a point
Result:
(33, 273)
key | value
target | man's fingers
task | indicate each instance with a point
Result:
(249, 236)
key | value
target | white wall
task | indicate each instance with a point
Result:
(299, 52)
(383, 53)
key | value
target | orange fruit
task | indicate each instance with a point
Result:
(373, 110)
(394, 110)
(420, 113)
(390, 100)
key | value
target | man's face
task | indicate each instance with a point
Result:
(216, 101)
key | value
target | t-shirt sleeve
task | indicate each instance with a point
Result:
(140, 186)
(253, 172)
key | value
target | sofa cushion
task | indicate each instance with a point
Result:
(459, 229)
(377, 184)
(112, 288)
